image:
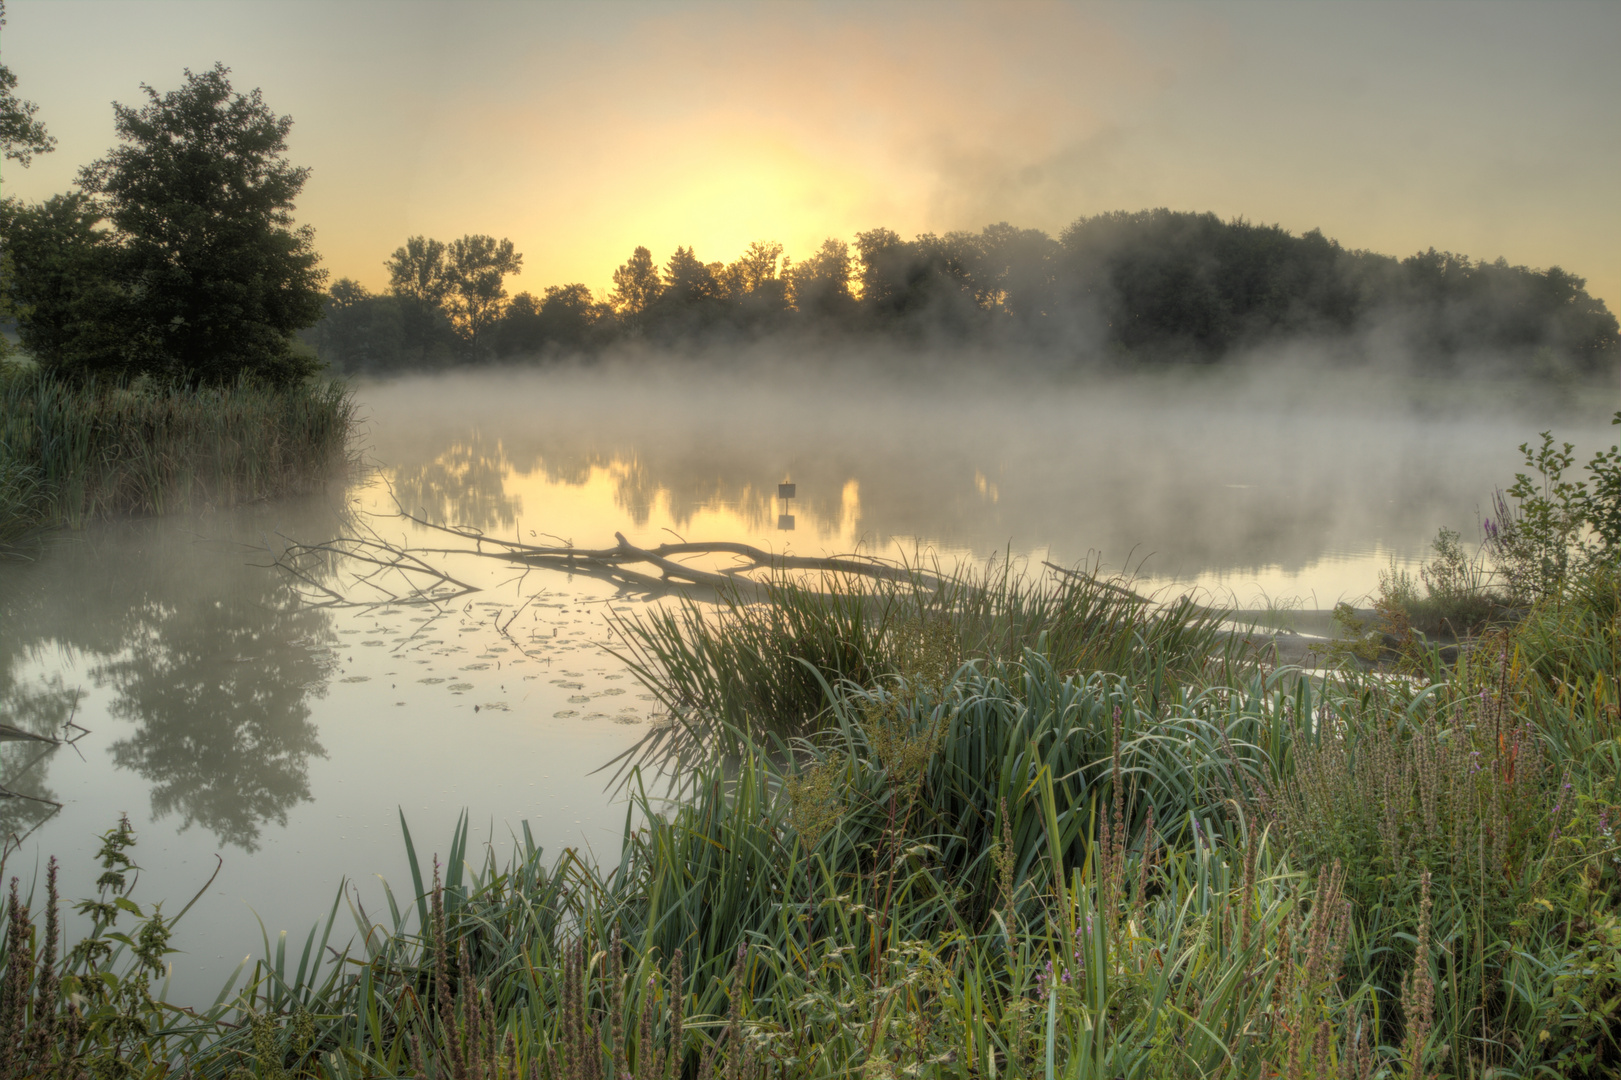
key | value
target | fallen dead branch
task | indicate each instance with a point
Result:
(390, 573)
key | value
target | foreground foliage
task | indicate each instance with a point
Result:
(991, 868)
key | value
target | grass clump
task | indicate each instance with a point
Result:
(762, 667)
(73, 452)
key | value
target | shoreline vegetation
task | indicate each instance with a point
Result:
(1022, 830)
(73, 452)
(156, 308)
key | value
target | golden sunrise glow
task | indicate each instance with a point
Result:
(582, 131)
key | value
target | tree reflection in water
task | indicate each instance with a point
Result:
(464, 485)
(211, 661)
(41, 708)
(218, 693)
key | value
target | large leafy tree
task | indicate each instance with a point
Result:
(200, 196)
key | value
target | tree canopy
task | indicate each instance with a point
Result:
(203, 274)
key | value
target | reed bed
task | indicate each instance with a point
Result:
(74, 452)
(761, 666)
(1000, 868)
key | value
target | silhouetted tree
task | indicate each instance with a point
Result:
(476, 267)
(688, 281)
(1014, 271)
(820, 285)
(636, 285)
(756, 284)
(417, 270)
(919, 284)
(570, 314)
(419, 278)
(565, 319)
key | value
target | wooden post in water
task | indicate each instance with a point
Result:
(785, 492)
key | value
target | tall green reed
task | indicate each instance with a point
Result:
(760, 664)
(73, 452)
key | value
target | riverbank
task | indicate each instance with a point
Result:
(70, 453)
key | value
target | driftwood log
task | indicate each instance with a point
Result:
(393, 574)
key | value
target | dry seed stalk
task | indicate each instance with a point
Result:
(1418, 991)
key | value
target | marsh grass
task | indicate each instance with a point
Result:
(761, 665)
(1005, 870)
(71, 453)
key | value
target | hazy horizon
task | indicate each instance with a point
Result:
(583, 130)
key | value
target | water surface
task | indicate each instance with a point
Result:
(228, 717)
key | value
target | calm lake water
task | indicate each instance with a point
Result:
(229, 718)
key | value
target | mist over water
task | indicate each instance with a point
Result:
(1186, 475)
(227, 716)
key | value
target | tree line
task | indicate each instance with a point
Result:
(1155, 284)
(178, 256)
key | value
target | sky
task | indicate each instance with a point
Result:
(583, 130)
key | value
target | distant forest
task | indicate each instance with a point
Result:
(1151, 285)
